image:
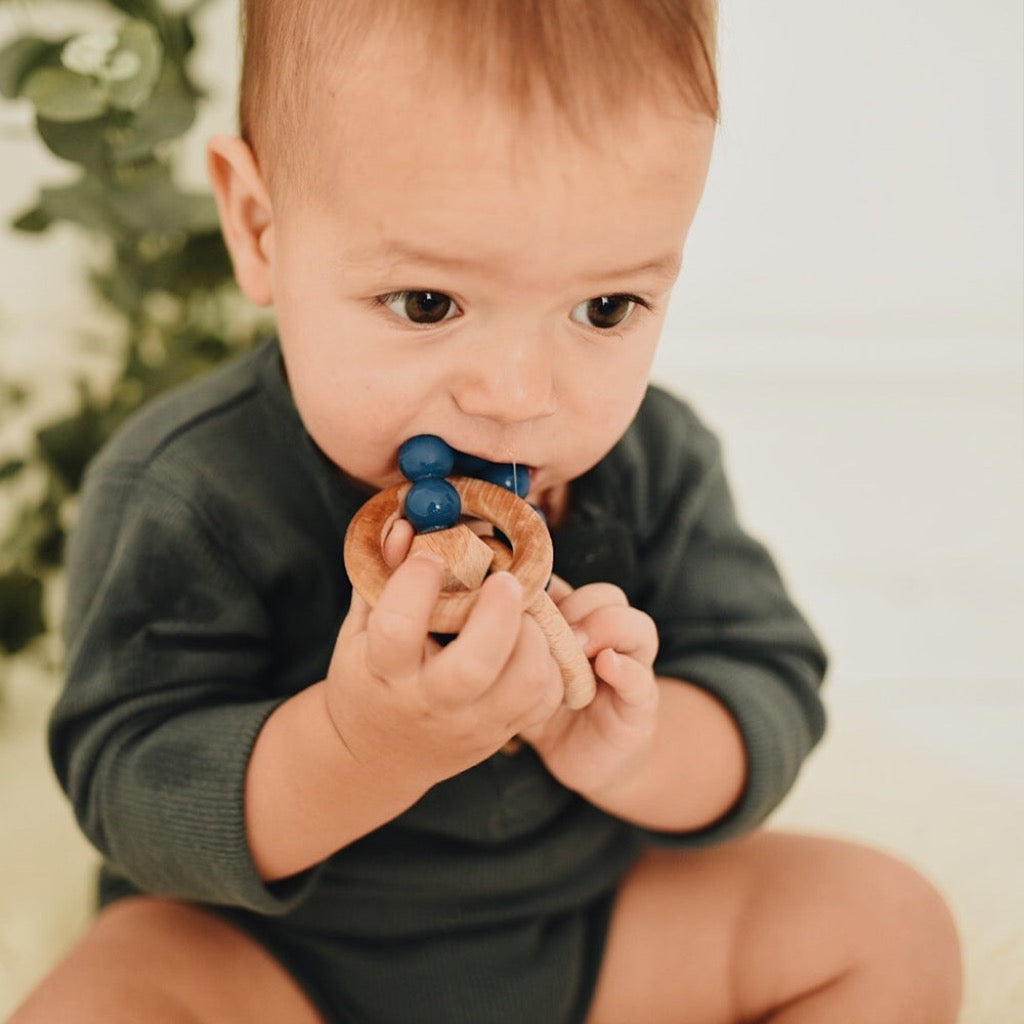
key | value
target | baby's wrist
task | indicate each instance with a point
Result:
(385, 765)
(616, 789)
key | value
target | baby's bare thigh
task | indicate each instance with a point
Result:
(771, 922)
(164, 962)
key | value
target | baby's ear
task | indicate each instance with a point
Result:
(246, 215)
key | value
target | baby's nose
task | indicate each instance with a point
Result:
(510, 380)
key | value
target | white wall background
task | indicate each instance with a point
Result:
(851, 319)
(867, 186)
(867, 182)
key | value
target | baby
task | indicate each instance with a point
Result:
(468, 216)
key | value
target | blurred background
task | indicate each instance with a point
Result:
(851, 321)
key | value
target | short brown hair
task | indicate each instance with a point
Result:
(584, 55)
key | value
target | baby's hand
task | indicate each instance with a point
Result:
(402, 703)
(599, 745)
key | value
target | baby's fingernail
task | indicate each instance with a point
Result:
(581, 638)
(429, 556)
(509, 580)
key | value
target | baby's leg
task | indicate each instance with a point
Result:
(164, 962)
(778, 928)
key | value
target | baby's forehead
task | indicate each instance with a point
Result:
(587, 61)
(396, 201)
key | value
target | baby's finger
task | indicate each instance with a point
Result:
(633, 683)
(397, 543)
(477, 656)
(578, 604)
(628, 630)
(398, 625)
(356, 618)
(558, 589)
(530, 690)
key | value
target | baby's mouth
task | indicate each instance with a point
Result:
(428, 455)
(516, 476)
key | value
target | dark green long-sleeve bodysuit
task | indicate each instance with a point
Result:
(207, 585)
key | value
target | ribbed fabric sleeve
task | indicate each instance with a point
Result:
(168, 665)
(725, 620)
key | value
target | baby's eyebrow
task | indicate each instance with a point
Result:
(401, 252)
(665, 266)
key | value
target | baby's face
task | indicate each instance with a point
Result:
(460, 274)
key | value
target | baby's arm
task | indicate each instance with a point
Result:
(628, 750)
(395, 715)
(197, 757)
(734, 684)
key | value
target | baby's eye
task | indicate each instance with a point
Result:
(420, 307)
(606, 311)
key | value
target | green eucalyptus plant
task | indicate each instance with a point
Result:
(114, 103)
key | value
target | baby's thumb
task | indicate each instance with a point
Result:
(356, 619)
(558, 589)
(397, 543)
(395, 549)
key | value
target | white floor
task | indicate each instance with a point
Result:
(894, 501)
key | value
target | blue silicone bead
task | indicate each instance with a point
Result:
(470, 465)
(432, 504)
(424, 457)
(513, 479)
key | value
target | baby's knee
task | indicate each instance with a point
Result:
(908, 941)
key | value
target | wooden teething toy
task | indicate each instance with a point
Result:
(469, 557)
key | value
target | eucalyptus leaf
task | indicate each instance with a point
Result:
(202, 263)
(82, 142)
(20, 58)
(151, 201)
(147, 10)
(21, 609)
(38, 536)
(137, 39)
(82, 202)
(178, 37)
(89, 53)
(13, 395)
(109, 102)
(169, 112)
(203, 216)
(62, 95)
(69, 444)
(32, 221)
(120, 287)
(50, 547)
(11, 468)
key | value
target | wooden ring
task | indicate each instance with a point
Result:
(530, 560)
(532, 554)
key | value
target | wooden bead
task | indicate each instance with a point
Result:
(466, 557)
